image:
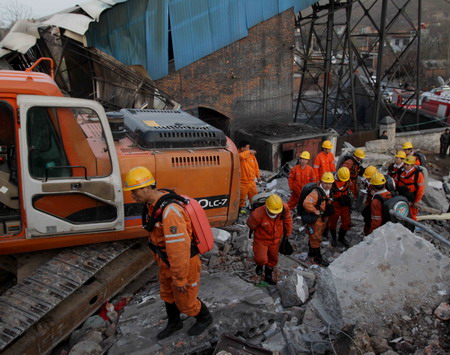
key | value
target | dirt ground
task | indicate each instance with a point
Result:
(437, 167)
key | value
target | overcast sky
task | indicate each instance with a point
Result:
(40, 8)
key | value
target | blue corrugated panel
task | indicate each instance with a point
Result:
(300, 5)
(157, 38)
(254, 12)
(227, 22)
(135, 33)
(191, 30)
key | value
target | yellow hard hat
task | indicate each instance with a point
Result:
(370, 170)
(377, 179)
(305, 155)
(359, 153)
(327, 178)
(137, 178)
(327, 145)
(343, 174)
(274, 204)
(410, 160)
(400, 154)
(407, 145)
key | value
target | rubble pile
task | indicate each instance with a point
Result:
(387, 294)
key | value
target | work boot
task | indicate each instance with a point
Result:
(333, 238)
(341, 238)
(204, 319)
(259, 270)
(319, 259)
(268, 276)
(174, 322)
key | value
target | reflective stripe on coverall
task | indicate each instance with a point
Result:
(299, 177)
(319, 226)
(324, 162)
(174, 235)
(407, 179)
(249, 171)
(268, 233)
(376, 209)
(353, 165)
(340, 188)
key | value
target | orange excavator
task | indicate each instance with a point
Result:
(62, 162)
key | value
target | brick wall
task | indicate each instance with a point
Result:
(247, 81)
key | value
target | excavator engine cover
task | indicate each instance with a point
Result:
(153, 129)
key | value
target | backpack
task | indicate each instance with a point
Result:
(422, 158)
(309, 217)
(403, 190)
(202, 235)
(397, 203)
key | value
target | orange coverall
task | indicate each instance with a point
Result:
(324, 162)
(249, 171)
(353, 166)
(174, 235)
(268, 234)
(299, 177)
(319, 226)
(393, 169)
(340, 188)
(376, 209)
(407, 179)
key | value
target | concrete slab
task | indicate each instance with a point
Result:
(387, 273)
(239, 308)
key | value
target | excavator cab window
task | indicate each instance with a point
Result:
(45, 147)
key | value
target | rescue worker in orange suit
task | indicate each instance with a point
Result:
(319, 202)
(269, 223)
(324, 161)
(368, 173)
(179, 277)
(353, 164)
(249, 172)
(408, 149)
(378, 182)
(299, 176)
(411, 183)
(341, 203)
(397, 165)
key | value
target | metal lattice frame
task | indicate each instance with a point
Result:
(336, 80)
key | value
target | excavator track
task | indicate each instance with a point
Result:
(24, 305)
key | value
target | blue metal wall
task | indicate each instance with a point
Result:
(137, 31)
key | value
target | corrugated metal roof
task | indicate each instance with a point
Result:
(137, 31)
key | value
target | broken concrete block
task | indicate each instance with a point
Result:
(86, 348)
(95, 322)
(436, 199)
(241, 242)
(293, 291)
(275, 343)
(389, 271)
(443, 311)
(220, 235)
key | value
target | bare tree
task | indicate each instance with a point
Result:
(13, 11)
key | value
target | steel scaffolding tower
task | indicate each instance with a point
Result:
(350, 60)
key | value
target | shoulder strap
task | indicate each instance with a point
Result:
(148, 222)
(380, 198)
